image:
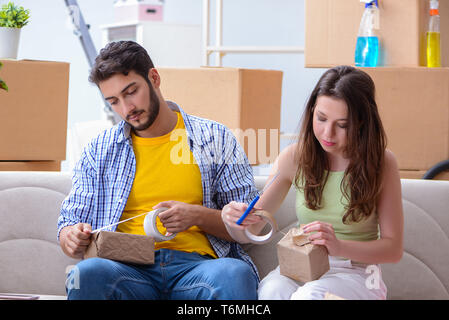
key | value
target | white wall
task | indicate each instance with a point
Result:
(245, 22)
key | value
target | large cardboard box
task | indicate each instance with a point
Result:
(245, 100)
(33, 113)
(414, 108)
(418, 174)
(30, 166)
(332, 27)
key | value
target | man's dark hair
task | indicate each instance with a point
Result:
(121, 57)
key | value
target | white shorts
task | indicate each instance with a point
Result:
(351, 281)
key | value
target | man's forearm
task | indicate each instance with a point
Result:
(209, 220)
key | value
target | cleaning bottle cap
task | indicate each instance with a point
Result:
(434, 12)
(370, 3)
(434, 8)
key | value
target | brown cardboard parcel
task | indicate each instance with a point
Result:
(30, 166)
(33, 113)
(124, 247)
(332, 27)
(414, 108)
(299, 259)
(247, 101)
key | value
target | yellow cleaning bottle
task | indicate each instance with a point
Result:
(433, 37)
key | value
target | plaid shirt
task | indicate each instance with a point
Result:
(104, 175)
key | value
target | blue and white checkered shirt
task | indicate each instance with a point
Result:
(104, 175)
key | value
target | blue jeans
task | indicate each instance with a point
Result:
(174, 275)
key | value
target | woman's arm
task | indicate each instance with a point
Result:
(389, 247)
(270, 200)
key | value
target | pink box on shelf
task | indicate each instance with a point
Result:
(138, 12)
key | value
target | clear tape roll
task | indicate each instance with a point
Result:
(268, 218)
(150, 226)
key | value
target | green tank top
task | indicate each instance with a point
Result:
(332, 211)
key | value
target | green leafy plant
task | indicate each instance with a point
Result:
(2, 83)
(12, 16)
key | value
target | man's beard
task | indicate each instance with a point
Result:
(153, 111)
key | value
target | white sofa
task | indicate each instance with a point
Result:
(31, 260)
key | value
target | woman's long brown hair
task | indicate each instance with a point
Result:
(366, 144)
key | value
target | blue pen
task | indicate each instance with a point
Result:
(251, 205)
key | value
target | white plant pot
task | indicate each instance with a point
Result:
(9, 42)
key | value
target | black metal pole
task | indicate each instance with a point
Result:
(436, 169)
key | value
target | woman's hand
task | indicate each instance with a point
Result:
(231, 213)
(324, 235)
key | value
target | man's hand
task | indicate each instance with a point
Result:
(75, 239)
(179, 217)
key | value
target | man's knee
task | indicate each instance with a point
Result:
(237, 280)
(230, 268)
(87, 276)
(90, 268)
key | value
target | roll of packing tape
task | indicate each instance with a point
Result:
(150, 226)
(268, 218)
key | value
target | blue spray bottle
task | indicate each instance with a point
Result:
(367, 47)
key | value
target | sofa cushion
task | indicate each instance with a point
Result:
(31, 258)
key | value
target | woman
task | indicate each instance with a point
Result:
(348, 192)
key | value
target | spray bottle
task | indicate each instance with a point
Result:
(367, 47)
(433, 37)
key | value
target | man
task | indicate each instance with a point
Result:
(135, 167)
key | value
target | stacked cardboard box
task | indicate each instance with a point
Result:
(413, 100)
(33, 115)
(332, 27)
(247, 101)
(414, 107)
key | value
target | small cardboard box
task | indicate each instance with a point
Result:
(124, 247)
(136, 12)
(332, 27)
(301, 260)
(30, 166)
(414, 107)
(33, 113)
(248, 101)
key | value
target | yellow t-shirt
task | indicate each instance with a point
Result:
(166, 170)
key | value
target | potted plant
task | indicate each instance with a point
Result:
(2, 83)
(12, 19)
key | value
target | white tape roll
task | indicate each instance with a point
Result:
(268, 218)
(150, 227)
